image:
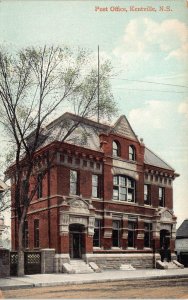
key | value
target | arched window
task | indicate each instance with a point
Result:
(132, 153)
(116, 148)
(123, 188)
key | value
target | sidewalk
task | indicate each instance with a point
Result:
(38, 280)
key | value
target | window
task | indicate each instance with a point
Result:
(95, 186)
(147, 235)
(123, 188)
(73, 182)
(131, 234)
(116, 148)
(39, 185)
(97, 234)
(147, 194)
(116, 234)
(84, 163)
(161, 197)
(36, 233)
(132, 153)
(26, 235)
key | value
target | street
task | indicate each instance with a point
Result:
(152, 289)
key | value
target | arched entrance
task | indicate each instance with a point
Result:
(76, 240)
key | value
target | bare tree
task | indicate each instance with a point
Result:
(34, 83)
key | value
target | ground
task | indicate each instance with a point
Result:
(151, 289)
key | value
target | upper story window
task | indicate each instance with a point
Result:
(116, 148)
(95, 186)
(73, 182)
(123, 188)
(147, 194)
(132, 153)
(39, 185)
(161, 196)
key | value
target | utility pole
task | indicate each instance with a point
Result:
(98, 84)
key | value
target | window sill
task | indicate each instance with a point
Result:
(116, 248)
(123, 201)
(73, 195)
(131, 248)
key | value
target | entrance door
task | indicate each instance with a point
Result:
(76, 233)
(165, 245)
(164, 239)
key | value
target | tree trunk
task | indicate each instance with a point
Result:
(20, 267)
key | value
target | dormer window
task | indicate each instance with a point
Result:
(132, 153)
(116, 148)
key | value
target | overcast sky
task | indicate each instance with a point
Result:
(144, 47)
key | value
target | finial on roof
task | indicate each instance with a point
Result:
(142, 140)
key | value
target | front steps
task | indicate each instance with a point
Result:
(174, 264)
(77, 266)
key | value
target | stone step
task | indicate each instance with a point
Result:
(126, 267)
(80, 267)
(168, 265)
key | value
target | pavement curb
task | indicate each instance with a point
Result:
(75, 282)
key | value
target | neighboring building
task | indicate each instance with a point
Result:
(182, 243)
(107, 198)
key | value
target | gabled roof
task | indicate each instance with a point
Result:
(123, 127)
(150, 158)
(182, 231)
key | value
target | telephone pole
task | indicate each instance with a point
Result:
(98, 89)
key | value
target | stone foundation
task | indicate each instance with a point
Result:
(114, 261)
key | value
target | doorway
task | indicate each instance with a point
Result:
(165, 245)
(164, 239)
(76, 236)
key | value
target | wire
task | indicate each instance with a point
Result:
(148, 90)
(126, 79)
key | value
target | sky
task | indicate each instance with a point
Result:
(149, 54)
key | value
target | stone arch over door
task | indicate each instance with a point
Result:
(77, 211)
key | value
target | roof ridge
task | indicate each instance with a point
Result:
(83, 119)
(160, 158)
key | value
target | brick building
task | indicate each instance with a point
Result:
(107, 198)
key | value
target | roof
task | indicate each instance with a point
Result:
(182, 231)
(86, 134)
(150, 158)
